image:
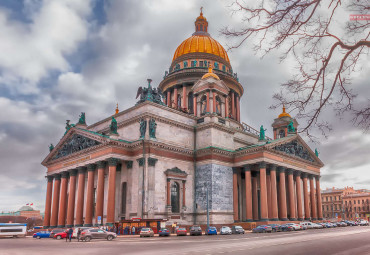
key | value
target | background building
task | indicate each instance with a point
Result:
(345, 203)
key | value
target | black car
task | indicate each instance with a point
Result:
(275, 227)
(195, 231)
(237, 230)
(286, 228)
(56, 231)
(164, 232)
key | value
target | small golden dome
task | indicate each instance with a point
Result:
(284, 114)
(210, 74)
(117, 110)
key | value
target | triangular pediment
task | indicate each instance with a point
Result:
(75, 144)
(210, 83)
(76, 140)
(296, 147)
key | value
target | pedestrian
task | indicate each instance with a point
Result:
(78, 234)
(133, 230)
(67, 231)
(70, 233)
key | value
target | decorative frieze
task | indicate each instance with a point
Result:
(74, 144)
(296, 149)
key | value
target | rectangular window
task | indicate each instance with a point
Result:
(354, 202)
(201, 63)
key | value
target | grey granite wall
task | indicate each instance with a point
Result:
(219, 180)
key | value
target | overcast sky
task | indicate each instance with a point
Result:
(59, 58)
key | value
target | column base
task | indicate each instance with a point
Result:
(300, 219)
(264, 219)
(293, 219)
(320, 218)
(98, 225)
(249, 220)
(52, 226)
(284, 219)
(69, 226)
(313, 219)
(79, 225)
(307, 218)
(61, 226)
(44, 227)
(274, 219)
(88, 225)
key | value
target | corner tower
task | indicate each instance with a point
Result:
(193, 59)
(284, 125)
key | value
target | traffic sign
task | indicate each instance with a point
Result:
(99, 219)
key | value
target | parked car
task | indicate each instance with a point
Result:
(303, 227)
(262, 229)
(195, 231)
(309, 225)
(364, 223)
(74, 234)
(275, 227)
(322, 224)
(181, 232)
(56, 231)
(96, 233)
(237, 230)
(211, 231)
(164, 232)
(225, 230)
(41, 234)
(146, 232)
(295, 226)
(317, 226)
(61, 235)
(286, 227)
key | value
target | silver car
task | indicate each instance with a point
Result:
(225, 230)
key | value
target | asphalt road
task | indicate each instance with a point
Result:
(347, 240)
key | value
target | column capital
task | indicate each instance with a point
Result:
(289, 171)
(297, 173)
(73, 172)
(91, 167)
(113, 161)
(50, 178)
(57, 177)
(81, 169)
(152, 161)
(281, 169)
(247, 168)
(317, 177)
(129, 164)
(304, 175)
(141, 161)
(168, 179)
(101, 164)
(272, 167)
(183, 181)
(262, 164)
(311, 176)
(64, 174)
(235, 170)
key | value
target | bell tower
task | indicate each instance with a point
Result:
(284, 125)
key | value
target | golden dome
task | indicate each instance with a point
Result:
(201, 41)
(284, 114)
(210, 74)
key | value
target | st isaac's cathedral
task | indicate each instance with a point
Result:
(180, 148)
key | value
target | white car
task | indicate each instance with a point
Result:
(317, 225)
(309, 225)
(363, 223)
(225, 230)
(294, 226)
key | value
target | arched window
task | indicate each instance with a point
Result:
(178, 101)
(175, 197)
(203, 105)
(190, 102)
(218, 105)
(281, 135)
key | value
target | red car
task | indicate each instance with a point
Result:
(60, 235)
(181, 232)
